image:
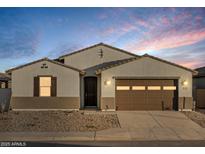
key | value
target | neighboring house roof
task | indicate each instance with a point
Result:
(146, 55)
(201, 72)
(4, 77)
(102, 44)
(45, 59)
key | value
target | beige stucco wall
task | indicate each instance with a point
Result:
(90, 57)
(146, 67)
(68, 80)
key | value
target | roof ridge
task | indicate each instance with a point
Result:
(95, 45)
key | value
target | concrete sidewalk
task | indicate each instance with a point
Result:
(117, 134)
(47, 136)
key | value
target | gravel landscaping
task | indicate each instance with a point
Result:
(197, 117)
(56, 121)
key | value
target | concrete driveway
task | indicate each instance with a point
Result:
(159, 125)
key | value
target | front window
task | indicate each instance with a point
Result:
(45, 86)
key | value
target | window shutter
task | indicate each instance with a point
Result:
(53, 86)
(36, 87)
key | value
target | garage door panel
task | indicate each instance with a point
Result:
(167, 82)
(168, 94)
(168, 103)
(140, 107)
(140, 98)
(124, 107)
(153, 82)
(154, 93)
(132, 101)
(123, 83)
(154, 101)
(137, 94)
(121, 100)
(137, 82)
(154, 107)
(123, 93)
(138, 101)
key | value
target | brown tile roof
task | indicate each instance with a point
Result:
(106, 45)
(45, 59)
(201, 72)
(146, 55)
(116, 63)
(109, 64)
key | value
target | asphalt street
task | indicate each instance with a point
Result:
(194, 143)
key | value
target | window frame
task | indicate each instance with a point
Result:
(42, 76)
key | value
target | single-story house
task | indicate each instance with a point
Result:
(102, 77)
(5, 80)
(199, 87)
(5, 91)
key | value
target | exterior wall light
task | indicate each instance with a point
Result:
(184, 83)
(107, 82)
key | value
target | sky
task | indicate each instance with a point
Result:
(174, 34)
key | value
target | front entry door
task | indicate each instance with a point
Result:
(90, 93)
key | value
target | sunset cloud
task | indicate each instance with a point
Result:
(168, 40)
(175, 34)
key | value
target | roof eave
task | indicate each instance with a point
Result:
(146, 55)
(45, 59)
(171, 63)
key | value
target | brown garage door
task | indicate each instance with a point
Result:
(200, 98)
(145, 94)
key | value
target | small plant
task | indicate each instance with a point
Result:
(1, 108)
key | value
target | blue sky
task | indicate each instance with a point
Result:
(175, 34)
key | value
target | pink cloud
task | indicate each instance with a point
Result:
(182, 16)
(108, 31)
(188, 64)
(139, 22)
(127, 27)
(198, 18)
(170, 39)
(142, 22)
(118, 30)
(165, 20)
